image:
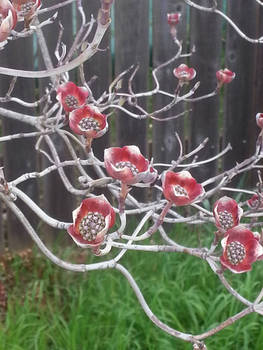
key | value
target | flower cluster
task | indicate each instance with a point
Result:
(84, 119)
(130, 167)
(241, 247)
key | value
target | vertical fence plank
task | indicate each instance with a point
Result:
(239, 122)
(57, 201)
(257, 86)
(132, 46)
(99, 66)
(19, 155)
(165, 144)
(206, 36)
(1, 230)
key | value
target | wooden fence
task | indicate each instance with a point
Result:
(141, 35)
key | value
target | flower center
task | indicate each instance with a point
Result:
(132, 167)
(236, 252)
(26, 8)
(226, 219)
(87, 124)
(91, 225)
(71, 101)
(179, 191)
(183, 75)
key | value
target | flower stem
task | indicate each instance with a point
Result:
(123, 194)
(159, 221)
(88, 144)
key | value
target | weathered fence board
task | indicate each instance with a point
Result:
(19, 155)
(99, 66)
(1, 229)
(131, 36)
(205, 29)
(165, 144)
(239, 121)
(131, 46)
(257, 87)
(57, 201)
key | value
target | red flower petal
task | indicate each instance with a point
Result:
(71, 96)
(102, 218)
(259, 120)
(128, 165)
(181, 188)
(184, 73)
(9, 19)
(80, 118)
(225, 76)
(255, 202)
(173, 18)
(227, 213)
(241, 249)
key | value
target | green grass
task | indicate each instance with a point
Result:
(52, 309)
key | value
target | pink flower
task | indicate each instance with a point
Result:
(259, 120)
(255, 202)
(8, 19)
(173, 18)
(26, 9)
(128, 165)
(91, 221)
(71, 96)
(240, 249)
(227, 213)
(88, 121)
(181, 188)
(184, 73)
(225, 76)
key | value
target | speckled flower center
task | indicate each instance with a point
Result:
(236, 253)
(91, 225)
(180, 191)
(87, 124)
(225, 219)
(132, 167)
(71, 101)
(26, 8)
(183, 75)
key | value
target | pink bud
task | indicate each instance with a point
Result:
(173, 18)
(259, 120)
(184, 73)
(225, 76)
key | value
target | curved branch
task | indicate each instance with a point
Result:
(84, 56)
